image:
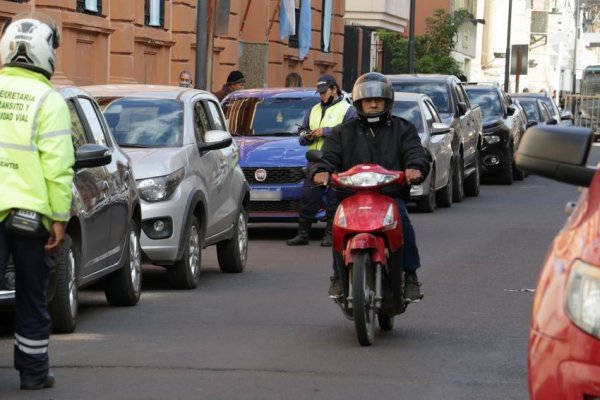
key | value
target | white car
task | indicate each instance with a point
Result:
(192, 189)
(436, 136)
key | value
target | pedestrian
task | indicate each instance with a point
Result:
(378, 137)
(36, 150)
(318, 122)
(185, 79)
(235, 81)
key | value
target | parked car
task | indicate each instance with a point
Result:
(502, 131)
(536, 110)
(102, 235)
(563, 118)
(265, 124)
(435, 136)
(455, 109)
(186, 166)
(564, 336)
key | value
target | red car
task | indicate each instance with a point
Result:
(564, 337)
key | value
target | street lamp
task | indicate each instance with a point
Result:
(507, 54)
(411, 39)
(574, 81)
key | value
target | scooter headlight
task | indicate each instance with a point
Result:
(388, 221)
(341, 217)
(366, 179)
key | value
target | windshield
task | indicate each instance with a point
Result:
(551, 106)
(146, 122)
(267, 117)
(487, 100)
(437, 92)
(531, 110)
(409, 110)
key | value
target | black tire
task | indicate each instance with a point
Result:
(185, 273)
(458, 191)
(232, 253)
(518, 175)
(427, 203)
(443, 197)
(362, 298)
(63, 307)
(473, 181)
(124, 286)
(386, 323)
(506, 175)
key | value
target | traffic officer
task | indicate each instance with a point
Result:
(332, 110)
(36, 159)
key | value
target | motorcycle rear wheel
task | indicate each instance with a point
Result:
(363, 285)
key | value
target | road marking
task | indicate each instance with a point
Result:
(520, 290)
(78, 336)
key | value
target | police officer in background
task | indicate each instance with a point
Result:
(36, 159)
(332, 110)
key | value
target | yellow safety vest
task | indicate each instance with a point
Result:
(36, 148)
(334, 115)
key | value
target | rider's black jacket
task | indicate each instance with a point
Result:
(393, 144)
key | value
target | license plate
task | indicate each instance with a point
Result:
(265, 195)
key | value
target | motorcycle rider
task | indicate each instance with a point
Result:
(379, 137)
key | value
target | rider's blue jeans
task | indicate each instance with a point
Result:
(410, 256)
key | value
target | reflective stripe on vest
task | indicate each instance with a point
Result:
(334, 115)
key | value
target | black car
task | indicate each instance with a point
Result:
(536, 110)
(502, 131)
(102, 240)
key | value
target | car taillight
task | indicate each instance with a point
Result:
(583, 297)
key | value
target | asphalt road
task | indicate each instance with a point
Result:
(272, 333)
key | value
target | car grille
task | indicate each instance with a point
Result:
(274, 206)
(276, 175)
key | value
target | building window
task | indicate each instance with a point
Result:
(155, 13)
(92, 7)
(326, 16)
(16, 1)
(293, 39)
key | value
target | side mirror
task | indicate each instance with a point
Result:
(214, 140)
(566, 116)
(558, 153)
(510, 110)
(437, 128)
(531, 123)
(92, 155)
(552, 121)
(462, 108)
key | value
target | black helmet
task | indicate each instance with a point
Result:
(373, 85)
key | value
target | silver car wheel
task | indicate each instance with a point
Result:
(194, 250)
(135, 261)
(242, 237)
(72, 284)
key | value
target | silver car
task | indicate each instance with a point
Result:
(436, 136)
(193, 191)
(102, 235)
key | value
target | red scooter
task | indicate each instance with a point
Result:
(367, 247)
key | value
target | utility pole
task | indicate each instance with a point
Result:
(574, 80)
(411, 39)
(201, 43)
(507, 54)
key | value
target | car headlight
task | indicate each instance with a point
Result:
(583, 297)
(491, 139)
(160, 187)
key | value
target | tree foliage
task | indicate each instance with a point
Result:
(432, 50)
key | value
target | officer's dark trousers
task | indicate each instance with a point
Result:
(312, 198)
(32, 321)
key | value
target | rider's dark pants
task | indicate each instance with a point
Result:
(312, 198)
(410, 257)
(32, 321)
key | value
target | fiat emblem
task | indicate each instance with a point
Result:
(260, 175)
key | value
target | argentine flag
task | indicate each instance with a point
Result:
(287, 18)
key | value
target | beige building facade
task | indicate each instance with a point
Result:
(151, 41)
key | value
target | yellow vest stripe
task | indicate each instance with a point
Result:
(21, 147)
(55, 133)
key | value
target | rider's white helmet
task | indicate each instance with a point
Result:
(30, 41)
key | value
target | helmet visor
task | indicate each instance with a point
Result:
(372, 89)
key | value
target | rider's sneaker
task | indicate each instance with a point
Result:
(335, 289)
(412, 287)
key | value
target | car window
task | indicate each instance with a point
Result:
(437, 92)
(531, 110)
(409, 110)
(461, 95)
(267, 117)
(434, 114)
(487, 100)
(94, 122)
(77, 129)
(215, 116)
(546, 114)
(201, 121)
(551, 106)
(142, 122)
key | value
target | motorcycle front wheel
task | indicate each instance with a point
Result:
(363, 286)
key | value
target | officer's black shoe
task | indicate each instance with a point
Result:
(46, 383)
(301, 239)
